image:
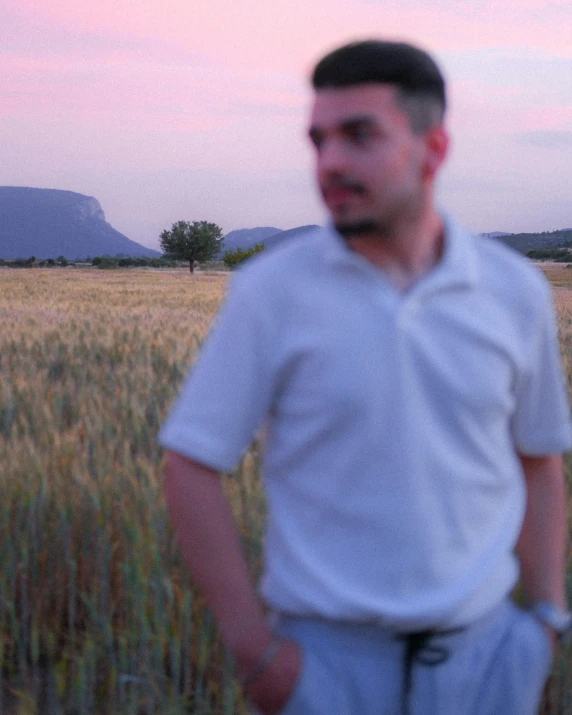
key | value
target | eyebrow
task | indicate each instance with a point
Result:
(348, 125)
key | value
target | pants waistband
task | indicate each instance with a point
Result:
(369, 634)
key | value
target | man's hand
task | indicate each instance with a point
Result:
(271, 690)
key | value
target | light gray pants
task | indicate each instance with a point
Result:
(496, 666)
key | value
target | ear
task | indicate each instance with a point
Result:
(436, 147)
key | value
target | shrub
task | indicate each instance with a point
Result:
(107, 263)
(234, 258)
(557, 254)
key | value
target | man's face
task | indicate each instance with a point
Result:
(371, 169)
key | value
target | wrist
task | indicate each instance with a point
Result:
(249, 649)
(243, 628)
(554, 617)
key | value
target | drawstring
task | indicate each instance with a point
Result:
(419, 648)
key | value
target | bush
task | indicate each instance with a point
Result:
(107, 263)
(19, 263)
(557, 254)
(234, 258)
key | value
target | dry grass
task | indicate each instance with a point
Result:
(96, 612)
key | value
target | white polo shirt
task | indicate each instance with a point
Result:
(391, 421)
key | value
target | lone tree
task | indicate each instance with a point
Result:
(197, 241)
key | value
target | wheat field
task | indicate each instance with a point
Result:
(97, 612)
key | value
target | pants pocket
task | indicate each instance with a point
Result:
(528, 659)
(518, 666)
(317, 690)
(542, 641)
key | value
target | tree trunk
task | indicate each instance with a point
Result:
(192, 266)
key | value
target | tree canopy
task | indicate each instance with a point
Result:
(197, 241)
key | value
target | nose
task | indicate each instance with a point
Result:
(332, 157)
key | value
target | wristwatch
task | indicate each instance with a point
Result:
(556, 618)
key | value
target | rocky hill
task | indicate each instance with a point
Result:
(47, 223)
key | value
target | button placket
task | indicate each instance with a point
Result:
(406, 312)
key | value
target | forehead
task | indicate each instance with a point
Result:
(335, 106)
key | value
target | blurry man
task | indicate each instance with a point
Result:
(408, 377)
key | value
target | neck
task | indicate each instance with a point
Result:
(407, 253)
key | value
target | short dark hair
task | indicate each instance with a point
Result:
(418, 79)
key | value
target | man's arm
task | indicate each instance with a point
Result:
(210, 543)
(541, 547)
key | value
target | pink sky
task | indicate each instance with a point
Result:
(175, 110)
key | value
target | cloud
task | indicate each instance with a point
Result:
(453, 182)
(167, 94)
(546, 138)
(95, 90)
(533, 76)
(28, 37)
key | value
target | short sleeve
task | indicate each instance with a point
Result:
(229, 388)
(541, 422)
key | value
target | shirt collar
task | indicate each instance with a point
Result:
(457, 267)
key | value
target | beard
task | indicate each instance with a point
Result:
(405, 205)
(381, 227)
(349, 229)
(363, 227)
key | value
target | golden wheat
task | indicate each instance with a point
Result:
(97, 614)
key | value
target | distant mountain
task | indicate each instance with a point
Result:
(290, 233)
(47, 223)
(246, 238)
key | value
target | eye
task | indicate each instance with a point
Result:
(360, 134)
(316, 138)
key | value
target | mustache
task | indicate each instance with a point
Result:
(345, 183)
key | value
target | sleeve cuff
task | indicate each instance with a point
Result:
(545, 445)
(201, 451)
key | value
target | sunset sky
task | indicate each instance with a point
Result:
(189, 110)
